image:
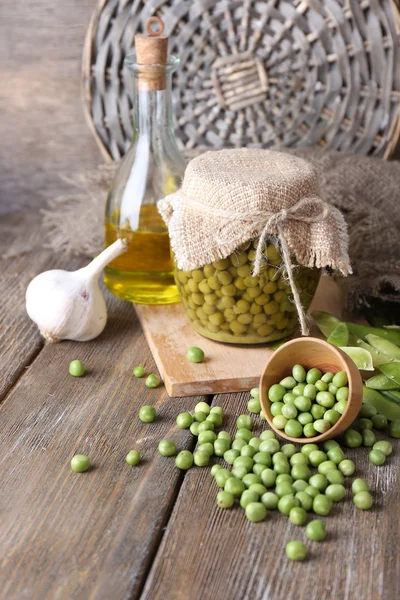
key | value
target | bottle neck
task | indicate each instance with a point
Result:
(152, 109)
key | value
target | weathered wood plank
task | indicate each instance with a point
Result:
(209, 553)
(68, 535)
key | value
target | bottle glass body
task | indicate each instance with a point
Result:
(152, 168)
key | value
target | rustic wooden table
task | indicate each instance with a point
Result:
(120, 532)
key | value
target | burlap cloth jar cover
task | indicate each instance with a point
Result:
(229, 197)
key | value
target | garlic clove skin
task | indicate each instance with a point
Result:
(69, 304)
(72, 308)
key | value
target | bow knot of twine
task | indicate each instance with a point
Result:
(306, 210)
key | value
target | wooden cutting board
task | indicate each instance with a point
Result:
(227, 368)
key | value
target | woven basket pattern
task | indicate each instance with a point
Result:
(285, 73)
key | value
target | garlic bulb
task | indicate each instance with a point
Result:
(69, 304)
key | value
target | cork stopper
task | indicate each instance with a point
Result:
(151, 52)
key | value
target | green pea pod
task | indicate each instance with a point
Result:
(392, 370)
(377, 357)
(384, 346)
(393, 335)
(393, 395)
(383, 405)
(340, 335)
(362, 358)
(381, 382)
(326, 323)
(392, 327)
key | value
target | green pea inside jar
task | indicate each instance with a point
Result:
(226, 303)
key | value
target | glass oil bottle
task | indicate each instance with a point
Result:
(152, 168)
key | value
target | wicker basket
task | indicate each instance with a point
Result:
(278, 72)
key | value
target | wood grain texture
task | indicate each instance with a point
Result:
(227, 368)
(67, 535)
(208, 553)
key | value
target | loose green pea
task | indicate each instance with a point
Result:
(300, 485)
(284, 489)
(280, 422)
(255, 392)
(321, 385)
(167, 448)
(259, 488)
(152, 381)
(225, 499)
(288, 382)
(271, 446)
(312, 491)
(202, 407)
(262, 458)
(244, 422)
(299, 373)
(279, 457)
(206, 436)
(332, 389)
(199, 416)
(282, 467)
(239, 472)
(289, 411)
(284, 477)
(256, 511)
(296, 550)
(300, 471)
(225, 435)
(251, 478)
(289, 398)
(332, 416)
(342, 394)
(289, 450)
(286, 503)
(384, 446)
(352, 438)
(221, 446)
(308, 448)
(76, 368)
(336, 455)
(325, 399)
(268, 477)
(248, 450)
(234, 486)
(316, 457)
(322, 505)
(299, 389)
(327, 377)
(306, 502)
(270, 500)
(318, 411)
(276, 408)
(276, 392)
(81, 463)
(367, 411)
(244, 434)
(340, 379)
(347, 467)
(258, 468)
(195, 355)
(214, 418)
(218, 410)
(321, 425)
(313, 376)
(298, 516)
(327, 465)
(147, 414)
(305, 418)
(310, 391)
(201, 458)
(315, 530)
(335, 492)
(377, 457)
(238, 444)
(256, 443)
(368, 438)
(194, 428)
(359, 485)
(379, 422)
(244, 461)
(335, 477)
(222, 476)
(363, 500)
(247, 497)
(268, 434)
(139, 371)
(214, 469)
(184, 420)
(318, 481)
(329, 444)
(302, 403)
(206, 426)
(184, 460)
(394, 429)
(365, 424)
(254, 405)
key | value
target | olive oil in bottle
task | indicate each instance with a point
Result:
(152, 168)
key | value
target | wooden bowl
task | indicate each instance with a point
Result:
(312, 352)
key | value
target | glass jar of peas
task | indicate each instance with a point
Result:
(224, 302)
